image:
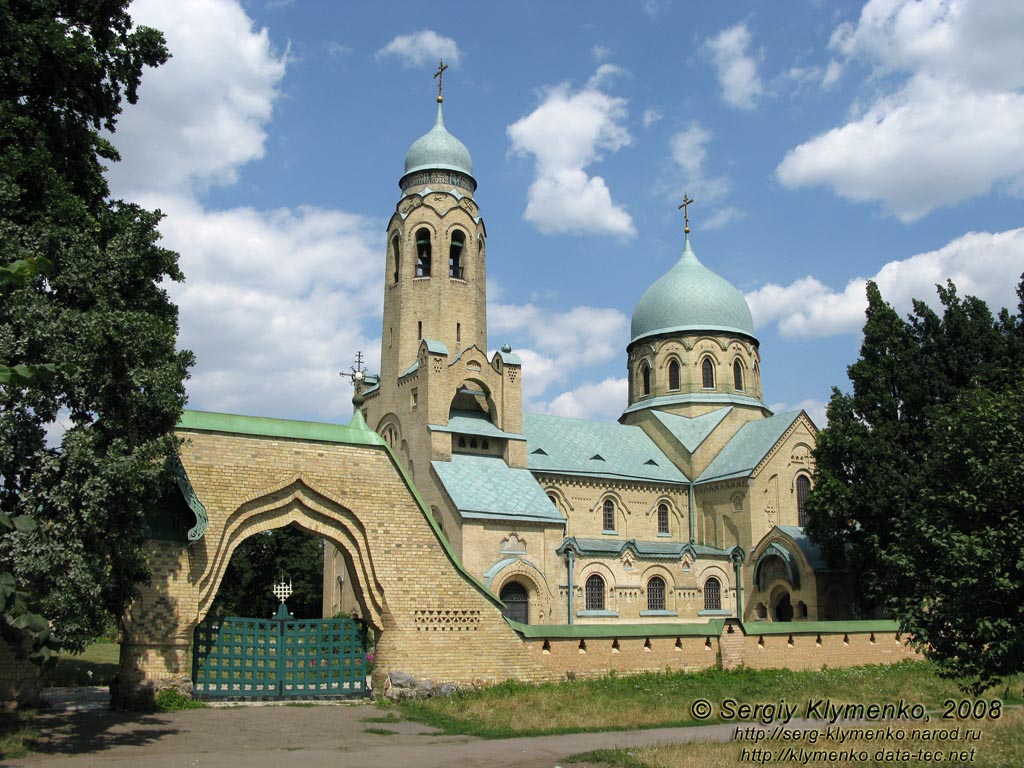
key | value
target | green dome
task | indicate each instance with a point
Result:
(438, 149)
(690, 297)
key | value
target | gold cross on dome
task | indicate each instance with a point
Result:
(685, 207)
(439, 75)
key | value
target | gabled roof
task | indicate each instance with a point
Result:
(436, 347)
(748, 446)
(691, 432)
(612, 547)
(595, 449)
(485, 487)
(472, 423)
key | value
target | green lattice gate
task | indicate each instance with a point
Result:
(278, 658)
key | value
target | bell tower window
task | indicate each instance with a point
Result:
(396, 251)
(707, 370)
(645, 378)
(423, 253)
(455, 268)
(737, 376)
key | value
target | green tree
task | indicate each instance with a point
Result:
(265, 559)
(96, 319)
(920, 480)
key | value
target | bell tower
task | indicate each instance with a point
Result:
(435, 276)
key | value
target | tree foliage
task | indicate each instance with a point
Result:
(87, 332)
(261, 561)
(920, 480)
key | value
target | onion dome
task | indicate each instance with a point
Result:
(690, 297)
(438, 149)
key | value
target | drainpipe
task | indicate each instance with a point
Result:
(737, 561)
(691, 513)
(571, 555)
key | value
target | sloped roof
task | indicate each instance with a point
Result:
(691, 432)
(485, 487)
(596, 449)
(613, 547)
(748, 446)
(718, 398)
(472, 423)
(810, 550)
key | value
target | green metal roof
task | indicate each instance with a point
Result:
(818, 627)
(508, 357)
(715, 398)
(690, 297)
(436, 347)
(485, 487)
(207, 421)
(691, 432)
(595, 449)
(438, 149)
(712, 628)
(810, 550)
(472, 423)
(748, 446)
(612, 547)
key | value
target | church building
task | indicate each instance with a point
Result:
(690, 508)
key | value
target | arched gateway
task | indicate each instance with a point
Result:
(242, 475)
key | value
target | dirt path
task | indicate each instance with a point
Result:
(310, 736)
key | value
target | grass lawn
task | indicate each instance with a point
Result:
(17, 733)
(1001, 746)
(662, 700)
(100, 659)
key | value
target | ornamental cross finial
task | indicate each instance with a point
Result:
(685, 207)
(439, 75)
(357, 371)
(283, 591)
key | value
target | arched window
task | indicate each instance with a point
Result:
(803, 488)
(553, 499)
(396, 251)
(517, 602)
(673, 375)
(656, 594)
(712, 594)
(663, 518)
(645, 378)
(608, 515)
(423, 253)
(595, 593)
(737, 376)
(455, 255)
(707, 373)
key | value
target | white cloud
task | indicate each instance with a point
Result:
(723, 217)
(946, 120)
(833, 72)
(419, 48)
(603, 401)
(601, 52)
(737, 70)
(650, 117)
(690, 154)
(272, 303)
(653, 7)
(202, 114)
(557, 348)
(566, 133)
(983, 264)
(337, 50)
(814, 408)
(276, 302)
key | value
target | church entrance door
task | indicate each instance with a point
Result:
(517, 602)
(279, 658)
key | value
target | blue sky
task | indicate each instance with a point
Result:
(825, 144)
